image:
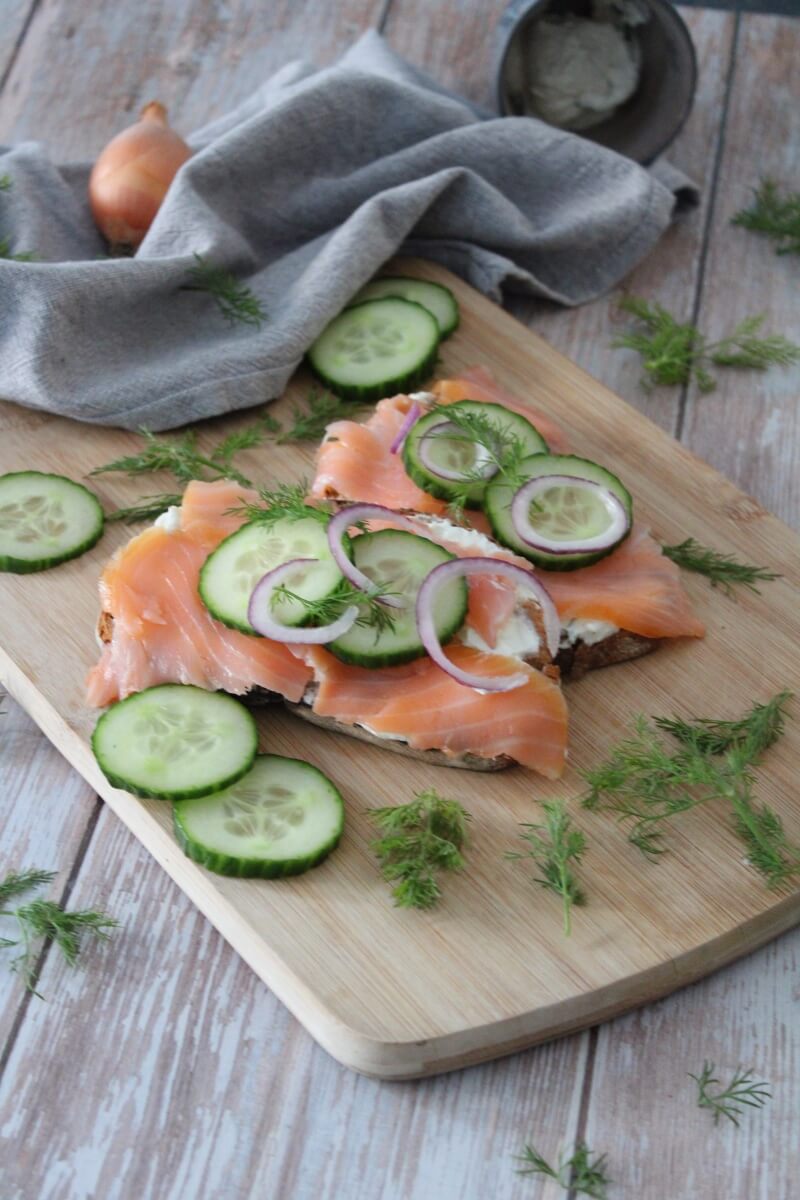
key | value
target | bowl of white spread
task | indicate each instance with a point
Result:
(621, 72)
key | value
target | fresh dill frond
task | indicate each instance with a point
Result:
(5, 183)
(420, 839)
(149, 509)
(311, 422)
(16, 883)
(235, 300)
(503, 448)
(20, 256)
(755, 732)
(774, 214)
(721, 569)
(43, 920)
(583, 1173)
(327, 609)
(674, 353)
(645, 783)
(182, 457)
(555, 846)
(742, 1091)
(286, 502)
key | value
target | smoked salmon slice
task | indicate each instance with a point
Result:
(427, 708)
(163, 633)
(477, 383)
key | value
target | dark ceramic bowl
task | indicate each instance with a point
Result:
(644, 125)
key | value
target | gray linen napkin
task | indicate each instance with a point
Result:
(303, 191)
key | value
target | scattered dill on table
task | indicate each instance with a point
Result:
(742, 1091)
(722, 570)
(419, 840)
(775, 214)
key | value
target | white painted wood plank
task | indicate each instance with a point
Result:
(195, 1082)
(13, 15)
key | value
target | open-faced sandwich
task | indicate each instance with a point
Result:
(451, 561)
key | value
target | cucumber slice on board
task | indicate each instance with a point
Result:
(230, 573)
(583, 520)
(459, 454)
(175, 741)
(439, 301)
(400, 562)
(283, 817)
(376, 349)
(45, 520)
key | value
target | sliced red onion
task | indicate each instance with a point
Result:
(259, 611)
(426, 607)
(338, 526)
(425, 449)
(520, 516)
(412, 416)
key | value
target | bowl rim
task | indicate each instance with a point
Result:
(667, 10)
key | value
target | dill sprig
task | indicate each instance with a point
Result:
(372, 614)
(235, 300)
(774, 214)
(721, 569)
(742, 1091)
(419, 840)
(755, 732)
(674, 353)
(287, 501)
(5, 183)
(554, 846)
(148, 509)
(20, 256)
(40, 920)
(311, 422)
(582, 1173)
(503, 450)
(645, 783)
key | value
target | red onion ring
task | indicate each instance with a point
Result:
(338, 526)
(412, 416)
(426, 603)
(524, 497)
(259, 612)
(425, 449)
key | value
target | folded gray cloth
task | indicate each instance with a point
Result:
(303, 192)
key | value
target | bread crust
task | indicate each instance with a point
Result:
(619, 647)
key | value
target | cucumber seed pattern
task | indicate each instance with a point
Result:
(266, 813)
(33, 518)
(173, 732)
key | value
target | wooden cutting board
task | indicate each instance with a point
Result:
(399, 994)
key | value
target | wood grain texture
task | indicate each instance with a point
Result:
(750, 426)
(461, 56)
(45, 808)
(199, 57)
(660, 1145)
(13, 17)
(172, 1043)
(383, 1003)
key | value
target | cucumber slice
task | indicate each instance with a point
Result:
(230, 573)
(439, 301)
(45, 520)
(458, 454)
(376, 349)
(282, 818)
(400, 561)
(174, 741)
(499, 494)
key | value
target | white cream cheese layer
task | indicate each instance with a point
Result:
(169, 520)
(584, 629)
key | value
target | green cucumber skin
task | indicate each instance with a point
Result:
(259, 868)
(249, 868)
(385, 283)
(399, 384)
(554, 562)
(441, 489)
(27, 566)
(118, 781)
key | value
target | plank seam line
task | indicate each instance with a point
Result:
(383, 16)
(712, 205)
(586, 1096)
(27, 996)
(23, 33)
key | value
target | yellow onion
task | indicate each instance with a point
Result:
(131, 177)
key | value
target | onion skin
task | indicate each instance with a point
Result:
(132, 176)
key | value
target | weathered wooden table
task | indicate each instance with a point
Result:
(163, 1069)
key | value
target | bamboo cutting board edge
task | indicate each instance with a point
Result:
(463, 1042)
